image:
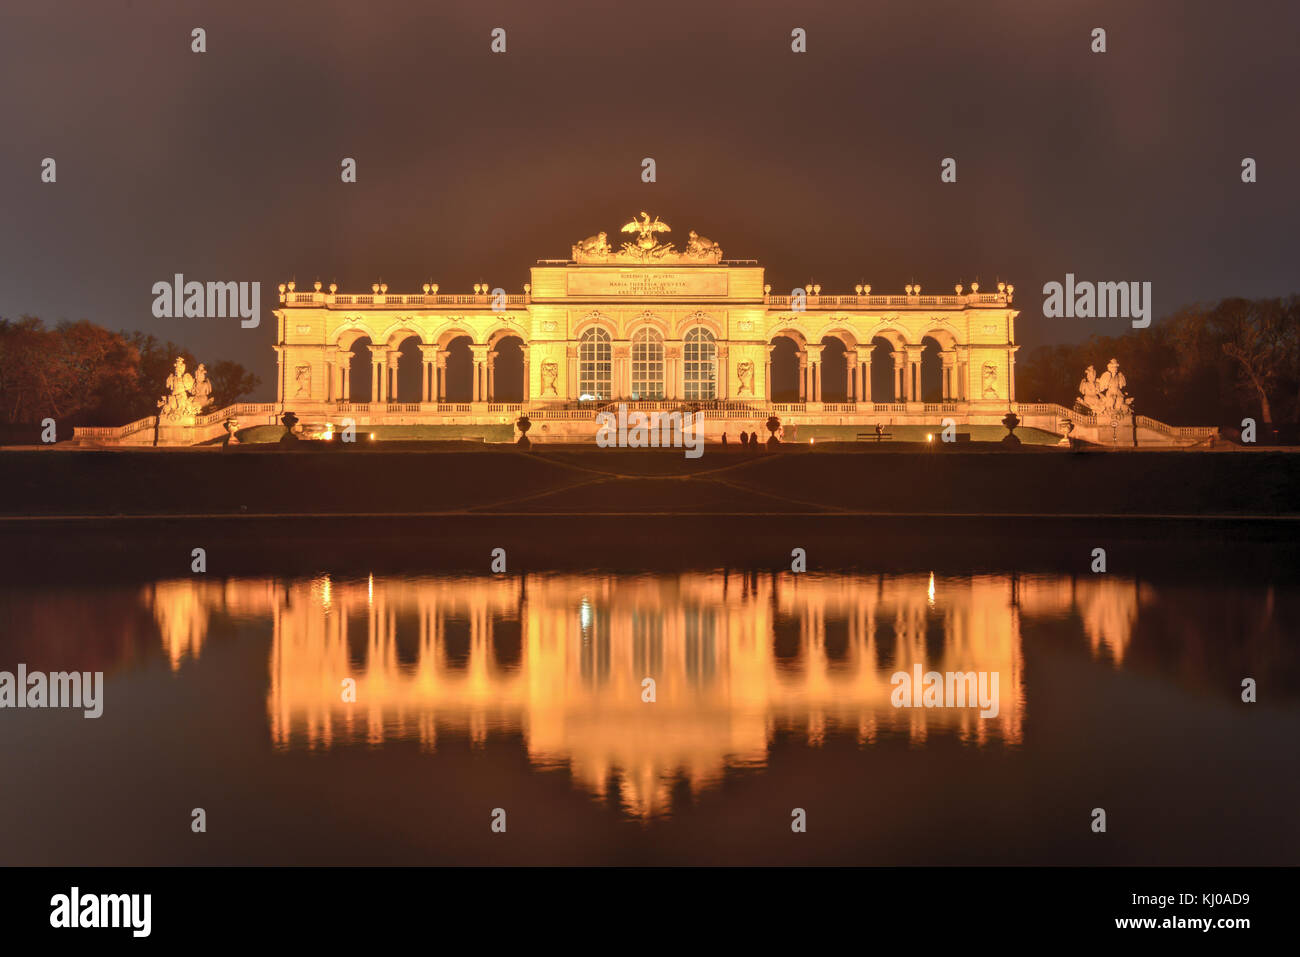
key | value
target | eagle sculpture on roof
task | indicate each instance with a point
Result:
(647, 230)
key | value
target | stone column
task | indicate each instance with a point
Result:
(803, 377)
(864, 363)
(428, 372)
(442, 375)
(491, 377)
(621, 375)
(390, 384)
(480, 371)
(378, 364)
(672, 371)
(572, 387)
(528, 377)
(815, 373)
(851, 375)
(900, 363)
(1011, 373)
(723, 385)
(767, 376)
(914, 373)
(949, 359)
(342, 368)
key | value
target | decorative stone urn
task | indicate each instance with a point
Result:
(1010, 420)
(773, 424)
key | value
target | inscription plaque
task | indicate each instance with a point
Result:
(646, 283)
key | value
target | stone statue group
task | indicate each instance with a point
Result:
(1105, 395)
(187, 394)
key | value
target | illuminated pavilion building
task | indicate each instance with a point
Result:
(664, 330)
(654, 326)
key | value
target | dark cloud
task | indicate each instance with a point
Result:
(823, 166)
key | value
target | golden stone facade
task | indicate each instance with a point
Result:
(648, 324)
(664, 330)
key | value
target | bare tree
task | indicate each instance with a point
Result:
(1258, 336)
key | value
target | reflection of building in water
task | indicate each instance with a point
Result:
(561, 659)
(1108, 607)
(183, 606)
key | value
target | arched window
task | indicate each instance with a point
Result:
(700, 364)
(595, 364)
(647, 364)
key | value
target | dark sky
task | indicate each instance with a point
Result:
(823, 166)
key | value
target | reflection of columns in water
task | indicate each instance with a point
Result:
(805, 653)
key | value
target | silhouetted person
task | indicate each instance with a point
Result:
(753, 439)
(724, 438)
(744, 438)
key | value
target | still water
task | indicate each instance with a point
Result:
(772, 692)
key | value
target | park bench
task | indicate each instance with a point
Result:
(878, 436)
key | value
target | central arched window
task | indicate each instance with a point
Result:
(647, 364)
(595, 364)
(700, 364)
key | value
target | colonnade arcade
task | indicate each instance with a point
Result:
(455, 368)
(839, 368)
(887, 368)
(452, 368)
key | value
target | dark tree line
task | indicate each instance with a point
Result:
(78, 373)
(1204, 365)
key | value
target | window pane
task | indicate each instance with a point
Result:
(647, 365)
(595, 364)
(700, 364)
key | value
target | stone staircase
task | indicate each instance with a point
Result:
(1047, 416)
(1051, 417)
(148, 431)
